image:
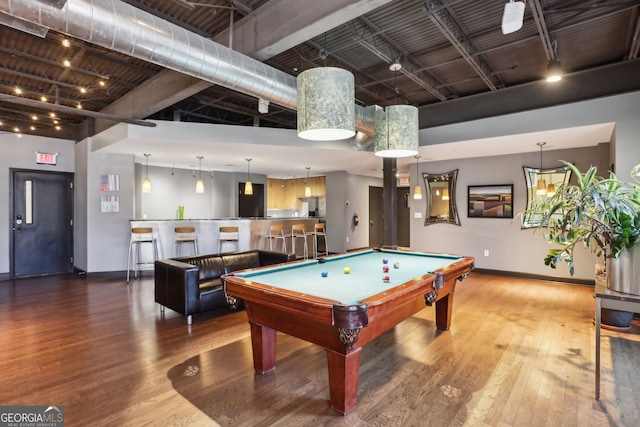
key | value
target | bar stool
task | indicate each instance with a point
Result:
(298, 232)
(183, 235)
(319, 231)
(140, 236)
(275, 233)
(228, 235)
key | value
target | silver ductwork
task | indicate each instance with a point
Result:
(121, 27)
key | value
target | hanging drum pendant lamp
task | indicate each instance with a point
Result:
(397, 133)
(326, 104)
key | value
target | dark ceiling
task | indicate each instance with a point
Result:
(453, 54)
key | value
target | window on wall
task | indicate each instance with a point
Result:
(541, 184)
(441, 198)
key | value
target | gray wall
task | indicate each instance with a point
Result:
(18, 152)
(510, 247)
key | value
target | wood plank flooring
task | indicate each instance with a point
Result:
(519, 353)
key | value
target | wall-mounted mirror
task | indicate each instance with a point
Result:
(541, 183)
(441, 198)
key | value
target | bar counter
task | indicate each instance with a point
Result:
(208, 232)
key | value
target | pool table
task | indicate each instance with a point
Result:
(318, 301)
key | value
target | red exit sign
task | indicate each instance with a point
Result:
(46, 158)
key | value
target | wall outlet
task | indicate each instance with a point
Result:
(486, 252)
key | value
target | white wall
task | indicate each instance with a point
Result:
(19, 153)
(171, 188)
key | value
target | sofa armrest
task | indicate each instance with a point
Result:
(272, 257)
(176, 285)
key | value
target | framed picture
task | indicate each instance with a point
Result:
(490, 201)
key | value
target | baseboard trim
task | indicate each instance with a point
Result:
(582, 282)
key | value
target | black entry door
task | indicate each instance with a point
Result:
(42, 223)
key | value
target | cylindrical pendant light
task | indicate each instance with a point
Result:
(307, 189)
(396, 131)
(146, 184)
(541, 186)
(417, 190)
(200, 182)
(248, 187)
(326, 104)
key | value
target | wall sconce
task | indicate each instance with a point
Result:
(146, 184)
(445, 194)
(417, 190)
(248, 187)
(307, 189)
(326, 104)
(200, 182)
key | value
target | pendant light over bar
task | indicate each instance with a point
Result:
(326, 104)
(200, 182)
(146, 184)
(417, 190)
(248, 187)
(307, 189)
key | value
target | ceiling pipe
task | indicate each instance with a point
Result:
(121, 27)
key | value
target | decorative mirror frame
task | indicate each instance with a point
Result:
(557, 176)
(437, 211)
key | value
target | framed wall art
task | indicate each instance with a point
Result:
(490, 201)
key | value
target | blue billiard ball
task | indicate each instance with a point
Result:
(325, 273)
(385, 260)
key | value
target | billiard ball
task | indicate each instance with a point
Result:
(396, 265)
(347, 270)
(325, 273)
(385, 278)
(385, 268)
(385, 260)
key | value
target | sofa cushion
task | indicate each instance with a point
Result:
(241, 260)
(209, 286)
(209, 267)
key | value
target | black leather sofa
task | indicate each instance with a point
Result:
(192, 284)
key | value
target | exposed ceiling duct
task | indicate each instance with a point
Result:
(121, 27)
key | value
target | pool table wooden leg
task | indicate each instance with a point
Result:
(263, 342)
(444, 307)
(343, 379)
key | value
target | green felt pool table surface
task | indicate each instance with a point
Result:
(364, 280)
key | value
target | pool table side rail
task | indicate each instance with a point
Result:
(320, 309)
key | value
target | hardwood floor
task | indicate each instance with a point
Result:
(519, 353)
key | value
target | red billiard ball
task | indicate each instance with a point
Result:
(385, 268)
(385, 278)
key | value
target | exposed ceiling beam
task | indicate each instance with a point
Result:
(445, 21)
(70, 110)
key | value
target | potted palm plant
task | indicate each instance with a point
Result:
(601, 214)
